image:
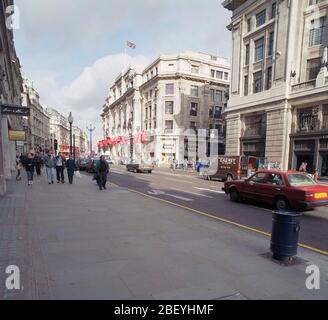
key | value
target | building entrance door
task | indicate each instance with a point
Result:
(323, 165)
(308, 158)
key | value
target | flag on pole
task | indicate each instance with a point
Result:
(131, 45)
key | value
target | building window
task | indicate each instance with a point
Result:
(218, 95)
(269, 78)
(168, 126)
(271, 41)
(194, 69)
(246, 86)
(211, 112)
(260, 18)
(247, 55)
(194, 91)
(212, 94)
(193, 109)
(249, 26)
(259, 49)
(218, 112)
(317, 32)
(258, 85)
(169, 89)
(213, 73)
(226, 76)
(169, 107)
(219, 74)
(313, 68)
(273, 10)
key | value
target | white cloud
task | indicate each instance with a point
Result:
(86, 94)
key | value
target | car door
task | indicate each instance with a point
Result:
(254, 185)
(272, 186)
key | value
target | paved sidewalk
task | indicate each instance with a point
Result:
(75, 242)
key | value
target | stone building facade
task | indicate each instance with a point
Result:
(279, 84)
(58, 127)
(38, 123)
(162, 107)
(11, 87)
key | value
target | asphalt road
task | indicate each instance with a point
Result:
(207, 197)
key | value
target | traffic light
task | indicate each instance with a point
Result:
(56, 144)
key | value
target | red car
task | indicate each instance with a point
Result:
(282, 189)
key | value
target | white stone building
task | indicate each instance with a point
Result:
(38, 130)
(59, 128)
(164, 103)
(278, 105)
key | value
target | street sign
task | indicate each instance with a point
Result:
(15, 110)
(17, 135)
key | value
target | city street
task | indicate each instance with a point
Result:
(76, 242)
(186, 189)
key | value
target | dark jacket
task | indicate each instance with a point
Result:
(70, 165)
(103, 167)
(30, 164)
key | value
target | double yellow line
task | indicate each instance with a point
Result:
(221, 219)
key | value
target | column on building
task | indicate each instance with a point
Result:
(233, 123)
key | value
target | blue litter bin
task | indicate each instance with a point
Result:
(285, 234)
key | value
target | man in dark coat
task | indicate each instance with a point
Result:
(38, 162)
(71, 167)
(29, 167)
(102, 171)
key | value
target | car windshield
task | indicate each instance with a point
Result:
(300, 180)
(147, 162)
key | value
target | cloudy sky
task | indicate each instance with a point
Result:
(72, 50)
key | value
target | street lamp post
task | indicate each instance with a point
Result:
(91, 128)
(70, 120)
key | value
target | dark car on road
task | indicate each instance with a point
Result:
(91, 165)
(142, 166)
(81, 164)
(284, 190)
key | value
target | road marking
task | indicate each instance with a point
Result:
(325, 253)
(211, 190)
(194, 193)
(160, 192)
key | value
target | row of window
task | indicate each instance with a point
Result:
(258, 81)
(261, 17)
(169, 125)
(259, 49)
(219, 74)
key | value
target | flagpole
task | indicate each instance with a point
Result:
(125, 55)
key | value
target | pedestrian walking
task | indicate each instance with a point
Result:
(60, 166)
(50, 163)
(71, 167)
(102, 172)
(19, 167)
(38, 162)
(29, 167)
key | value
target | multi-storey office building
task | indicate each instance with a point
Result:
(59, 128)
(278, 106)
(38, 130)
(173, 98)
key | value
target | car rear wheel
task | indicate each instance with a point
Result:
(281, 204)
(234, 195)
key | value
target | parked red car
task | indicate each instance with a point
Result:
(282, 189)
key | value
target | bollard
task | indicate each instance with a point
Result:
(285, 233)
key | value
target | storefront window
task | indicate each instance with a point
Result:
(308, 119)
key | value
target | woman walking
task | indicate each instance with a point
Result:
(30, 165)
